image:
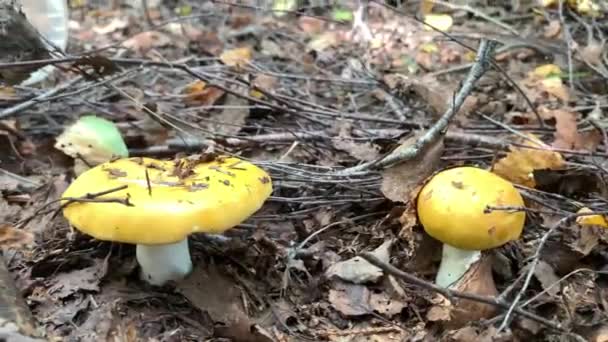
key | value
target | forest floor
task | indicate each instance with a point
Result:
(312, 102)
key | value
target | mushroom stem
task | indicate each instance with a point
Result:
(454, 264)
(162, 263)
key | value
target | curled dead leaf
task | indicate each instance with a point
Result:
(400, 182)
(199, 94)
(520, 163)
(238, 57)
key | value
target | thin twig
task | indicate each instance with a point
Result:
(482, 63)
(451, 294)
(91, 197)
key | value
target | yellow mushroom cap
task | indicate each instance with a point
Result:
(176, 198)
(451, 209)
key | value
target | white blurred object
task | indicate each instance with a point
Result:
(50, 18)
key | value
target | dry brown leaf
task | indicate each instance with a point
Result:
(566, 131)
(518, 165)
(426, 7)
(441, 310)
(238, 57)
(400, 181)
(592, 53)
(364, 151)
(478, 280)
(469, 334)
(323, 41)
(8, 211)
(11, 237)
(311, 25)
(366, 331)
(87, 279)
(553, 29)
(264, 82)
(8, 94)
(144, 41)
(358, 270)
(116, 24)
(199, 94)
(544, 82)
(588, 239)
(213, 292)
(232, 117)
(598, 333)
(547, 277)
(357, 300)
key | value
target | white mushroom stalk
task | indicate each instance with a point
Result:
(455, 262)
(162, 263)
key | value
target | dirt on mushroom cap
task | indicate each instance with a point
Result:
(165, 201)
(451, 208)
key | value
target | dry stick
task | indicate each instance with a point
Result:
(90, 197)
(535, 260)
(451, 294)
(27, 104)
(479, 14)
(482, 64)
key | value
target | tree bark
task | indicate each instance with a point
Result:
(19, 41)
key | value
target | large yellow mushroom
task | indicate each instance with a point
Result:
(167, 201)
(452, 209)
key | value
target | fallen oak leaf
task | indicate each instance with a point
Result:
(400, 181)
(358, 270)
(210, 291)
(87, 279)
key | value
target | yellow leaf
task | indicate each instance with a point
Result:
(323, 41)
(426, 6)
(591, 220)
(469, 56)
(441, 22)
(519, 164)
(195, 87)
(548, 3)
(585, 7)
(555, 87)
(238, 57)
(199, 94)
(429, 47)
(547, 70)
(547, 78)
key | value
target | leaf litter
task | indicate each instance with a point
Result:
(299, 95)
